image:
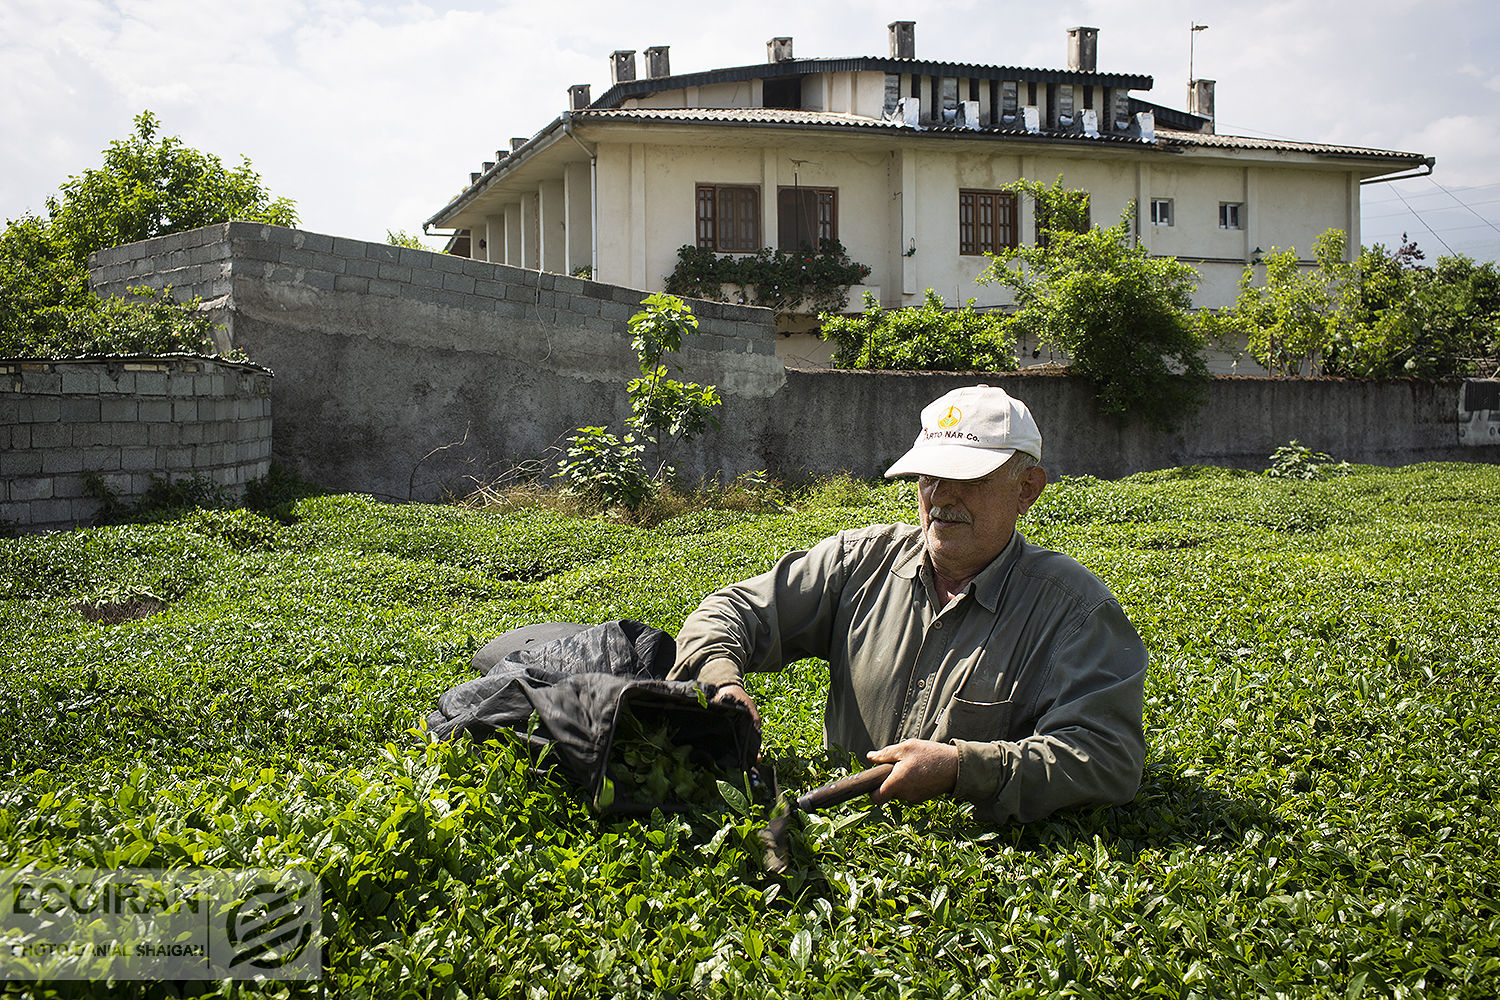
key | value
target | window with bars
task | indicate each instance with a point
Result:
(1161, 211)
(805, 217)
(729, 218)
(986, 221)
(1229, 214)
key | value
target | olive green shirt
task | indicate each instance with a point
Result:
(1033, 672)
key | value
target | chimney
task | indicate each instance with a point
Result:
(516, 143)
(474, 179)
(578, 97)
(903, 39)
(622, 66)
(489, 165)
(501, 154)
(1201, 100)
(1083, 49)
(779, 50)
(657, 65)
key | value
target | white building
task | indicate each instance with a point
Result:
(903, 161)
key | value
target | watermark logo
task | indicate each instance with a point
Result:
(153, 924)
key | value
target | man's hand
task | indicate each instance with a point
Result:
(924, 770)
(736, 694)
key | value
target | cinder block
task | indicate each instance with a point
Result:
(317, 242)
(67, 486)
(57, 460)
(159, 435)
(321, 280)
(31, 488)
(281, 236)
(426, 277)
(50, 436)
(180, 459)
(51, 512)
(362, 267)
(41, 383)
(43, 411)
(118, 410)
(125, 432)
(383, 252)
(185, 410)
(138, 459)
(454, 300)
(18, 436)
(151, 383)
(509, 310)
(348, 248)
(387, 289)
(458, 283)
(346, 283)
(20, 463)
(156, 410)
(103, 459)
(78, 381)
(192, 433)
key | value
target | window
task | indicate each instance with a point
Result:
(986, 221)
(1229, 214)
(783, 92)
(729, 218)
(1161, 211)
(806, 217)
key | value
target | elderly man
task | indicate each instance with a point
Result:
(980, 665)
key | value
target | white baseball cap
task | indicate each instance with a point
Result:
(969, 433)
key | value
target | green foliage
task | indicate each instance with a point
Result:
(1120, 314)
(148, 322)
(163, 499)
(1296, 460)
(147, 186)
(1292, 317)
(405, 239)
(610, 471)
(1382, 315)
(805, 281)
(1316, 820)
(925, 338)
(606, 470)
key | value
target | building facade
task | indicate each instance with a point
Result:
(902, 160)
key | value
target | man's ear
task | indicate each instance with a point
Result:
(1032, 485)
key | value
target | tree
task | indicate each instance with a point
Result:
(1382, 315)
(147, 186)
(1121, 315)
(1294, 317)
(928, 338)
(610, 471)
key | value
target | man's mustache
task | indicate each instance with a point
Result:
(951, 514)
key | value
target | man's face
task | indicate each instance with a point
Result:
(967, 522)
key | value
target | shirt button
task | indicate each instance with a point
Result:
(938, 623)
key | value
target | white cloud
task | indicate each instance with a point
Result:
(371, 113)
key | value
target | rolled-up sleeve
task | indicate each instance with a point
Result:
(765, 622)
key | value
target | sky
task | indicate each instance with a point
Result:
(370, 115)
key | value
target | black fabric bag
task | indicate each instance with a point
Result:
(580, 688)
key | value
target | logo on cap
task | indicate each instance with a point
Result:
(952, 417)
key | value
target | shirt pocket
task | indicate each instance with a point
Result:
(974, 720)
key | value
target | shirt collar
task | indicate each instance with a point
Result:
(986, 586)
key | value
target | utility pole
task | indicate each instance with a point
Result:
(1192, 37)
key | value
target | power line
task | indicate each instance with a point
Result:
(1423, 221)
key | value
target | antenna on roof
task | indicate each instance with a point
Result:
(1192, 37)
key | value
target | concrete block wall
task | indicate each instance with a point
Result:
(404, 373)
(384, 354)
(127, 419)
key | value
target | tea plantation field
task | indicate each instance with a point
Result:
(1320, 815)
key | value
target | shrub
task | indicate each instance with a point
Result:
(924, 338)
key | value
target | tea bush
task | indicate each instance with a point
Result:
(1317, 816)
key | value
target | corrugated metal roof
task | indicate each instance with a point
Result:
(764, 116)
